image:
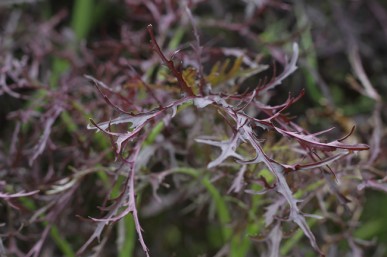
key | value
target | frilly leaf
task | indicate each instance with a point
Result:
(228, 149)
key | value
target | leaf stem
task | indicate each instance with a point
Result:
(183, 85)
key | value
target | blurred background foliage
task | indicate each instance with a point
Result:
(45, 103)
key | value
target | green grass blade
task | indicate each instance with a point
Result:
(82, 18)
(62, 244)
(221, 208)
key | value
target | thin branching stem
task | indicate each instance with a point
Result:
(183, 85)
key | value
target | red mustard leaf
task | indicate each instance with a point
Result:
(312, 142)
(228, 149)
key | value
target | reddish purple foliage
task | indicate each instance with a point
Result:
(235, 110)
(188, 107)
